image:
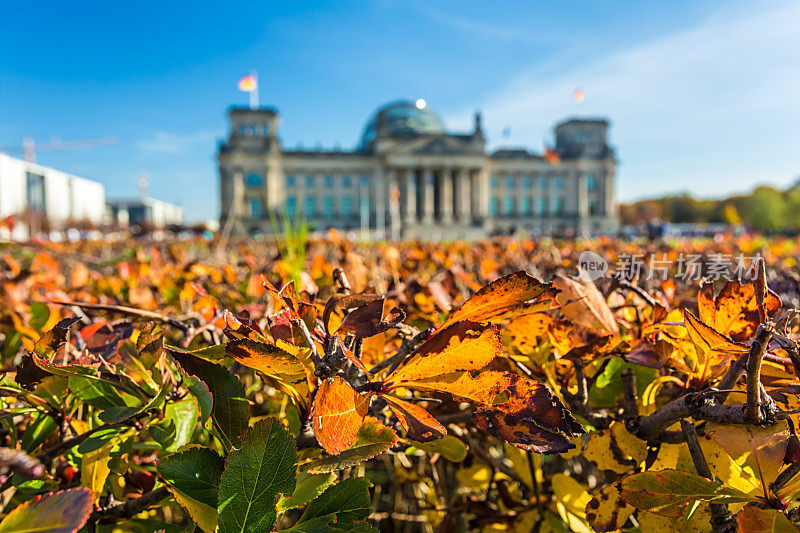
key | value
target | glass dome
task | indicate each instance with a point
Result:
(403, 118)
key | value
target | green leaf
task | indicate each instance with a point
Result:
(340, 506)
(231, 412)
(450, 447)
(373, 438)
(37, 432)
(57, 512)
(192, 475)
(609, 385)
(98, 439)
(194, 471)
(163, 432)
(667, 492)
(200, 391)
(184, 415)
(309, 486)
(101, 394)
(254, 475)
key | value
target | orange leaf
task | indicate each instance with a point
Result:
(734, 311)
(500, 296)
(421, 425)
(708, 338)
(582, 302)
(460, 347)
(526, 407)
(345, 301)
(368, 320)
(337, 414)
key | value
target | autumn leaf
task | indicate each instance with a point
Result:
(419, 423)
(369, 320)
(372, 439)
(337, 414)
(501, 297)
(511, 406)
(708, 339)
(288, 365)
(667, 492)
(57, 512)
(734, 311)
(345, 301)
(752, 519)
(607, 511)
(461, 346)
(581, 302)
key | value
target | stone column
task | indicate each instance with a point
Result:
(464, 196)
(446, 196)
(583, 196)
(410, 191)
(394, 203)
(379, 202)
(429, 186)
(480, 194)
(608, 194)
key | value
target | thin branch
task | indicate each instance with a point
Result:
(130, 508)
(721, 519)
(405, 349)
(630, 406)
(183, 326)
(757, 351)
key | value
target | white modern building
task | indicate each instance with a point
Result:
(144, 212)
(43, 200)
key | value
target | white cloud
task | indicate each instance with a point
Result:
(710, 109)
(164, 142)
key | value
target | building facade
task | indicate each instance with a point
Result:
(45, 200)
(411, 178)
(144, 212)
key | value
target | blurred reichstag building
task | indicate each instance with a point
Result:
(411, 178)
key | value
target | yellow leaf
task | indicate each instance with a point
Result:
(204, 516)
(460, 347)
(571, 500)
(607, 511)
(95, 470)
(501, 296)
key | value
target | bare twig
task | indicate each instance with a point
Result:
(630, 406)
(183, 326)
(405, 349)
(130, 508)
(759, 347)
(721, 519)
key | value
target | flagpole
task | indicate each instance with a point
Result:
(254, 92)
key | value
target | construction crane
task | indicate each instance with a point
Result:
(29, 147)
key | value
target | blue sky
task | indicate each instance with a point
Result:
(703, 96)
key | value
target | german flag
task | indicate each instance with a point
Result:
(551, 156)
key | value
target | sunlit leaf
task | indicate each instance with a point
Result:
(754, 520)
(58, 512)
(460, 347)
(667, 492)
(501, 296)
(373, 438)
(255, 473)
(337, 414)
(419, 423)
